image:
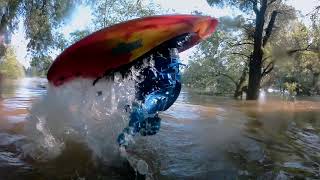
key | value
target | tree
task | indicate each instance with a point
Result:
(10, 66)
(301, 57)
(40, 65)
(77, 35)
(109, 12)
(265, 14)
(40, 17)
(220, 63)
(7, 21)
(62, 42)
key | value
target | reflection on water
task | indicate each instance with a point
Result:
(201, 137)
(16, 98)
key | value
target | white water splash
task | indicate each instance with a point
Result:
(80, 112)
(92, 115)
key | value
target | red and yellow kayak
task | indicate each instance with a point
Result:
(120, 44)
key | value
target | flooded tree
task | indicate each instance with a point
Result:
(265, 14)
(220, 64)
(298, 53)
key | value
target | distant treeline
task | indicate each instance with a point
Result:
(10, 67)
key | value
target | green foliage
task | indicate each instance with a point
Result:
(62, 42)
(217, 66)
(40, 65)
(108, 12)
(41, 18)
(8, 21)
(243, 5)
(10, 66)
(77, 35)
(298, 58)
(263, 16)
(8, 14)
(291, 87)
(291, 59)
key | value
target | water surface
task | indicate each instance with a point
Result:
(201, 137)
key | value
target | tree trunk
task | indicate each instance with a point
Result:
(237, 92)
(315, 80)
(239, 86)
(255, 65)
(254, 79)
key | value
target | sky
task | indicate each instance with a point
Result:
(82, 18)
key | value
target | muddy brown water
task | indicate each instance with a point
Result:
(202, 137)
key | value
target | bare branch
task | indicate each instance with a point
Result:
(227, 76)
(241, 54)
(241, 44)
(270, 27)
(249, 31)
(264, 59)
(268, 69)
(315, 10)
(290, 52)
(271, 2)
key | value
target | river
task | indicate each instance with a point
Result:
(201, 137)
